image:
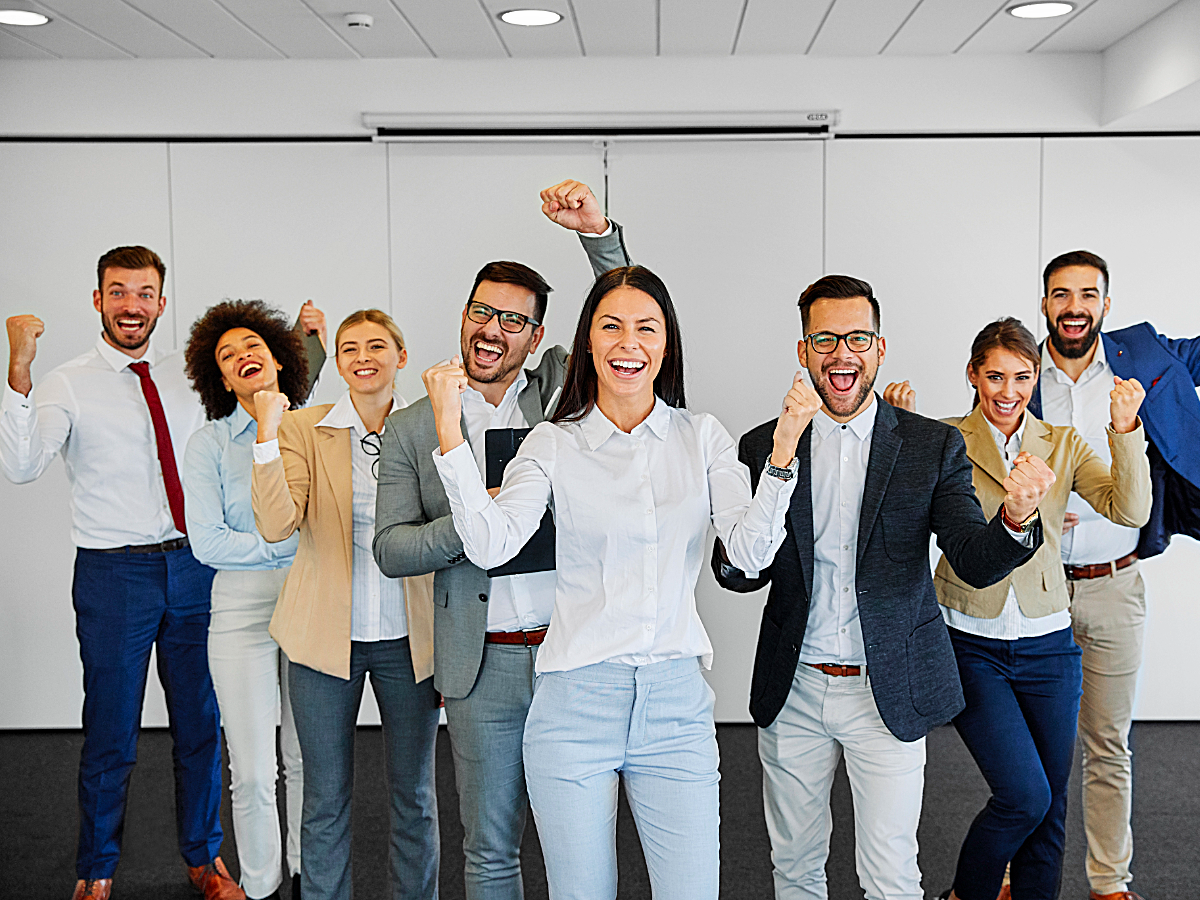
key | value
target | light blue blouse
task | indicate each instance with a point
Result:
(216, 485)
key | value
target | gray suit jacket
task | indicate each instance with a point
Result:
(414, 532)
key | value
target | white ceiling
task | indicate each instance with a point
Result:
(469, 29)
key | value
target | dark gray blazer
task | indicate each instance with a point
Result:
(918, 482)
(414, 532)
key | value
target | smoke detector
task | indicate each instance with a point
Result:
(358, 20)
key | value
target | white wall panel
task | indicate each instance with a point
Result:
(64, 205)
(1136, 202)
(735, 232)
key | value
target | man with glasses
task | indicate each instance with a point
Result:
(486, 630)
(853, 656)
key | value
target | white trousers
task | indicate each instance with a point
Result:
(250, 676)
(824, 717)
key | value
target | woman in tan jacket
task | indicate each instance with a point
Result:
(339, 618)
(1018, 661)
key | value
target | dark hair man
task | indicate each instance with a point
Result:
(486, 630)
(1108, 602)
(851, 596)
(121, 415)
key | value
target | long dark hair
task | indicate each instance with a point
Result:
(579, 388)
(1004, 334)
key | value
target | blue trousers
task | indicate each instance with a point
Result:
(325, 709)
(126, 603)
(1019, 724)
(653, 727)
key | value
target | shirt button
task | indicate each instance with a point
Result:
(845, 546)
(843, 631)
(649, 627)
(845, 459)
(650, 512)
(845, 590)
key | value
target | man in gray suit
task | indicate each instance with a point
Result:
(486, 630)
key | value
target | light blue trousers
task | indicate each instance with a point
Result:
(651, 725)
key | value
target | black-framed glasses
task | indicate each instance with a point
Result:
(512, 322)
(372, 445)
(826, 341)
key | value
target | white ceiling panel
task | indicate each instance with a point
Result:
(129, 29)
(68, 40)
(1008, 34)
(780, 26)
(454, 29)
(1102, 24)
(940, 26)
(860, 27)
(292, 28)
(210, 26)
(557, 40)
(12, 46)
(698, 27)
(618, 27)
(390, 37)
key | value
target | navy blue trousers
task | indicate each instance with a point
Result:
(1019, 724)
(126, 603)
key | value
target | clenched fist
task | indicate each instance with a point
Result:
(445, 383)
(1126, 399)
(23, 332)
(900, 396)
(572, 205)
(312, 321)
(799, 407)
(1026, 485)
(269, 407)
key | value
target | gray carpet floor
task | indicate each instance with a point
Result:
(37, 838)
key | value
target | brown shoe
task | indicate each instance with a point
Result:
(92, 889)
(1116, 895)
(214, 882)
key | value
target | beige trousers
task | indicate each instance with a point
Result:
(1108, 615)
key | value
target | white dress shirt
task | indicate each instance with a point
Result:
(515, 602)
(1012, 623)
(92, 409)
(1085, 405)
(377, 610)
(632, 513)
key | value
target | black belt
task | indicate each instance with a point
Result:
(164, 547)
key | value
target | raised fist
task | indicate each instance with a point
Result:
(901, 396)
(269, 407)
(1126, 399)
(572, 205)
(23, 332)
(312, 321)
(445, 383)
(799, 407)
(1026, 485)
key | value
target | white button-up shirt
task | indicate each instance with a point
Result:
(1012, 623)
(632, 514)
(515, 602)
(1085, 404)
(377, 611)
(92, 409)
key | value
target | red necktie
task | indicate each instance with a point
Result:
(162, 437)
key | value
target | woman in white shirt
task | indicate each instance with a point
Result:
(339, 618)
(634, 480)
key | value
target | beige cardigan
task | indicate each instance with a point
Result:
(309, 489)
(1121, 494)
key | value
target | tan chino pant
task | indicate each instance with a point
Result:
(1108, 615)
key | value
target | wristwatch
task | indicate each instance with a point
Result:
(783, 474)
(1025, 526)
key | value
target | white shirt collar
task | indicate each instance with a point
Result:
(861, 425)
(1098, 364)
(344, 415)
(119, 360)
(513, 391)
(597, 428)
(998, 435)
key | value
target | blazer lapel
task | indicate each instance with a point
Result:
(981, 446)
(800, 512)
(1118, 359)
(333, 450)
(530, 400)
(885, 447)
(1036, 439)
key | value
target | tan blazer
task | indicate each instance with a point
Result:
(309, 489)
(1121, 494)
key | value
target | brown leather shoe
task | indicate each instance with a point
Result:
(1117, 895)
(92, 889)
(214, 882)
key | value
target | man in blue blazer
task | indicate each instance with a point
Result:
(853, 657)
(1080, 364)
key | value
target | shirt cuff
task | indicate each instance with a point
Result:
(605, 233)
(1024, 538)
(267, 451)
(15, 403)
(460, 473)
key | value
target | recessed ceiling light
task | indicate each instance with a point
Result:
(22, 17)
(530, 17)
(1040, 10)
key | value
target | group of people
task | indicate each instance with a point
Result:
(300, 548)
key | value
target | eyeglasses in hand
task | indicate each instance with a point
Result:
(512, 322)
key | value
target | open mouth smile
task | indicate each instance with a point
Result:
(626, 368)
(250, 369)
(1074, 327)
(487, 353)
(130, 324)
(366, 372)
(1006, 408)
(842, 380)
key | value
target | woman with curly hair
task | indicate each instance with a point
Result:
(237, 348)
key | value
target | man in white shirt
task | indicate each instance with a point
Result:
(1108, 597)
(121, 415)
(486, 630)
(853, 657)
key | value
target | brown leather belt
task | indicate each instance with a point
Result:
(164, 547)
(831, 669)
(1101, 570)
(526, 638)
